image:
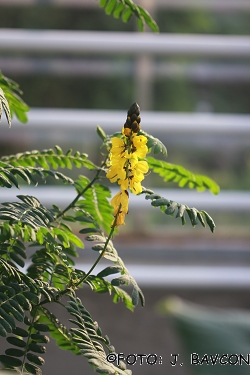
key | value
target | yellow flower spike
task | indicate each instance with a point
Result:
(125, 166)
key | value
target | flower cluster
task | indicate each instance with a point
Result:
(125, 164)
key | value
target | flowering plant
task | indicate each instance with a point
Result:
(27, 291)
(26, 297)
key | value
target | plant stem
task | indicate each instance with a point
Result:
(72, 204)
(103, 251)
(28, 339)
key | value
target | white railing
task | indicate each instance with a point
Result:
(185, 277)
(167, 122)
(41, 41)
(61, 195)
(204, 72)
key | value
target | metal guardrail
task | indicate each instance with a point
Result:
(82, 67)
(61, 195)
(182, 276)
(185, 277)
(170, 122)
(71, 42)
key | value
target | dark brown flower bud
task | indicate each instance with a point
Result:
(132, 123)
(134, 108)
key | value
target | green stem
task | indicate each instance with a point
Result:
(28, 339)
(96, 262)
(72, 204)
(103, 251)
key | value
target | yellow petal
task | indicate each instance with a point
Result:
(123, 184)
(135, 186)
(120, 220)
(142, 165)
(117, 142)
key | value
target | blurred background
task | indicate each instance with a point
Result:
(192, 82)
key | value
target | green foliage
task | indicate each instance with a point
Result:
(17, 301)
(88, 337)
(95, 202)
(100, 285)
(27, 291)
(49, 158)
(32, 166)
(4, 106)
(106, 248)
(25, 296)
(11, 101)
(30, 211)
(125, 9)
(154, 143)
(183, 177)
(170, 207)
(58, 331)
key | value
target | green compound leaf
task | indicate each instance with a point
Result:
(30, 211)
(96, 202)
(13, 250)
(58, 331)
(125, 9)
(13, 302)
(4, 106)
(11, 101)
(183, 177)
(67, 237)
(88, 337)
(52, 264)
(99, 285)
(112, 255)
(171, 208)
(33, 160)
(8, 179)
